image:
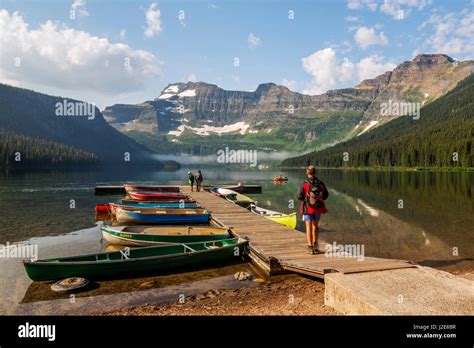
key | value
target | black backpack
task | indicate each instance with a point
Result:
(314, 196)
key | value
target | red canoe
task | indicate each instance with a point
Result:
(103, 208)
(129, 188)
(157, 196)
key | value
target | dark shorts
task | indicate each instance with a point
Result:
(311, 217)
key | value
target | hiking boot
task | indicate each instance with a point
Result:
(310, 250)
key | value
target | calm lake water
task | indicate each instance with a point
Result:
(427, 217)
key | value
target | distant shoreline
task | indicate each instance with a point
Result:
(391, 169)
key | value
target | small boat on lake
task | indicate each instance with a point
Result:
(110, 207)
(288, 220)
(280, 178)
(129, 188)
(157, 196)
(154, 235)
(161, 216)
(136, 261)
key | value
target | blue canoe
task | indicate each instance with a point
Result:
(156, 205)
(161, 216)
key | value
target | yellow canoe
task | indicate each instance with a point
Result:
(288, 220)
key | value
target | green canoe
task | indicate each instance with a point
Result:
(154, 235)
(130, 262)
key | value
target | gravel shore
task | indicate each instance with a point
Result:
(284, 295)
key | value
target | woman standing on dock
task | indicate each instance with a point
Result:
(312, 194)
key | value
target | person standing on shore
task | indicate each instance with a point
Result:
(198, 177)
(191, 180)
(312, 193)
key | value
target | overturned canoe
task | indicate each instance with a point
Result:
(161, 216)
(288, 220)
(155, 235)
(157, 196)
(129, 188)
(136, 261)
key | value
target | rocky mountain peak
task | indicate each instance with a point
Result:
(433, 59)
(270, 87)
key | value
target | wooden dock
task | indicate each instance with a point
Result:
(279, 249)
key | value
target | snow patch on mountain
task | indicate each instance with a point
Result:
(188, 93)
(166, 96)
(240, 127)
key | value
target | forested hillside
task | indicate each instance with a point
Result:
(441, 137)
(33, 114)
(26, 151)
(30, 124)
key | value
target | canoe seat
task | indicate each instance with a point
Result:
(210, 247)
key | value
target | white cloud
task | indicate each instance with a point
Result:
(123, 34)
(330, 72)
(397, 9)
(359, 4)
(57, 56)
(254, 41)
(452, 34)
(290, 84)
(352, 19)
(153, 20)
(400, 9)
(78, 7)
(366, 37)
(191, 78)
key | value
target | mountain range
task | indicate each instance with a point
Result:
(440, 137)
(199, 118)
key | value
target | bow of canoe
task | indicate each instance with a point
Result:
(289, 220)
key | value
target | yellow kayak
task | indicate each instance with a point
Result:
(288, 220)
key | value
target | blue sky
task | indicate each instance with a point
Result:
(326, 45)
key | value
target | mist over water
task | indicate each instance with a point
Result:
(262, 157)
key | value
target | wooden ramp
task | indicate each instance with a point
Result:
(277, 248)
